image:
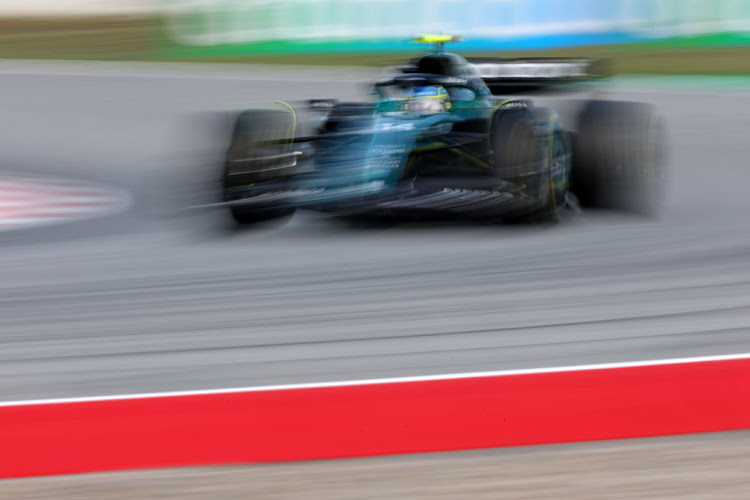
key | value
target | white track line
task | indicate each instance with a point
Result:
(395, 380)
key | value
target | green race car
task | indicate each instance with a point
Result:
(441, 140)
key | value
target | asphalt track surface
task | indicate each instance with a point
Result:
(160, 298)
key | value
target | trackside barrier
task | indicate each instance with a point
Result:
(239, 26)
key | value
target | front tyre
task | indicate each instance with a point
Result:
(533, 159)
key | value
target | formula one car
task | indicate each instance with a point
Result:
(437, 141)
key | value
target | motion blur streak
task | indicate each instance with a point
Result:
(28, 201)
(311, 302)
(374, 419)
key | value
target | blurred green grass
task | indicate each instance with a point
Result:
(134, 38)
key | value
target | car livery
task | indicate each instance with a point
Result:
(438, 141)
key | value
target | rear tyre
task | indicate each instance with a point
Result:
(618, 157)
(246, 217)
(256, 155)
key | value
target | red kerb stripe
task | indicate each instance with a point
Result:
(331, 422)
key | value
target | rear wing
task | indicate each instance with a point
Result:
(508, 76)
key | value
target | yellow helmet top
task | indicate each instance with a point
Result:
(438, 40)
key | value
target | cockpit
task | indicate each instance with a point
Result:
(450, 65)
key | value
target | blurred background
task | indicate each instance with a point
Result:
(643, 36)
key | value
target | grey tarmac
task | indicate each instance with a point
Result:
(161, 298)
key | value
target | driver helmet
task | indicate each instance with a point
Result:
(428, 100)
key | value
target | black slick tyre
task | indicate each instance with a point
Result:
(618, 157)
(256, 155)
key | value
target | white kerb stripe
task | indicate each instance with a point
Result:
(380, 381)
